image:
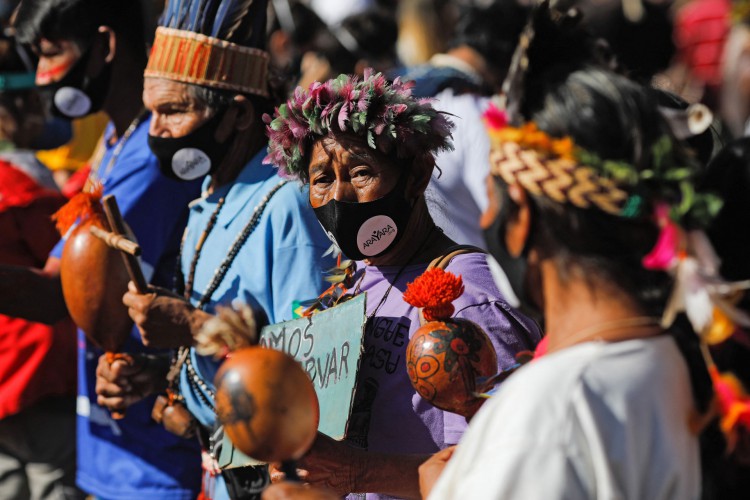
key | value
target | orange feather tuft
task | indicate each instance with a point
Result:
(84, 209)
(733, 404)
(434, 292)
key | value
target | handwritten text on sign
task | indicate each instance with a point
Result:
(328, 345)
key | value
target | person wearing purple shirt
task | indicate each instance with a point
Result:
(367, 150)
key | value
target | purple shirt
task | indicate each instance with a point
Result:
(389, 415)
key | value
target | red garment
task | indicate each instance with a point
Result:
(700, 32)
(36, 360)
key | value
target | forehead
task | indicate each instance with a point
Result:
(162, 92)
(345, 145)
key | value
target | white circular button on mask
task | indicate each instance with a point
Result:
(72, 102)
(190, 163)
(376, 234)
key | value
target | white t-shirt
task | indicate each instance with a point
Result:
(459, 194)
(595, 421)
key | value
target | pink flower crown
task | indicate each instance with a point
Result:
(386, 115)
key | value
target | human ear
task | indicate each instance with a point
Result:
(419, 177)
(111, 43)
(239, 116)
(518, 225)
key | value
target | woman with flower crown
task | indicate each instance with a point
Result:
(367, 148)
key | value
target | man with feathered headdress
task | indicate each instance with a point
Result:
(251, 237)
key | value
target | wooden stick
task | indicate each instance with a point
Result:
(116, 241)
(117, 224)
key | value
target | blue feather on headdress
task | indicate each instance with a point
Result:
(238, 21)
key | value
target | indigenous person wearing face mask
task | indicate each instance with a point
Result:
(251, 237)
(598, 209)
(367, 150)
(37, 361)
(91, 57)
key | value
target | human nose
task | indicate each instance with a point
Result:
(344, 191)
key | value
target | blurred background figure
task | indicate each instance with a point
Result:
(424, 28)
(461, 80)
(37, 361)
(366, 39)
(292, 33)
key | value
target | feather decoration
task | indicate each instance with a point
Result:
(207, 15)
(235, 14)
(229, 330)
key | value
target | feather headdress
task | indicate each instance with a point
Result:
(214, 43)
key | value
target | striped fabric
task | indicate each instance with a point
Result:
(190, 57)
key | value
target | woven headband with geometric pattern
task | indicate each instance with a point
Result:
(189, 57)
(560, 179)
(545, 166)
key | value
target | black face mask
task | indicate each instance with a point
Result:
(515, 268)
(191, 156)
(369, 229)
(76, 95)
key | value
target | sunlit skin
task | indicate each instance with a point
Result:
(346, 169)
(174, 112)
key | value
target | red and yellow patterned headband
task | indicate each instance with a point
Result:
(188, 57)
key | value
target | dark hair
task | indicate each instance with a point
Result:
(372, 35)
(617, 119)
(492, 31)
(218, 99)
(78, 20)
(642, 47)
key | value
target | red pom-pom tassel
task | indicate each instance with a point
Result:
(434, 292)
(84, 208)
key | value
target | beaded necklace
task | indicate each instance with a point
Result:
(187, 284)
(96, 174)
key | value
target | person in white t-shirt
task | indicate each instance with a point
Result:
(585, 186)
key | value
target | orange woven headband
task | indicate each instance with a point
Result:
(561, 179)
(189, 57)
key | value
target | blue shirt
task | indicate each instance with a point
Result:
(136, 458)
(280, 262)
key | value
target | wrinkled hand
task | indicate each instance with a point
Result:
(329, 464)
(163, 318)
(127, 381)
(297, 491)
(430, 471)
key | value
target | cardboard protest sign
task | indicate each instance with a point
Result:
(328, 345)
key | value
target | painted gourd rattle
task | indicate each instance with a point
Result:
(447, 358)
(267, 405)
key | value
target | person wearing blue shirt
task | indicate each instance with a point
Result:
(251, 237)
(91, 55)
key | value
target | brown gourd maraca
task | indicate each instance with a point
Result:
(446, 357)
(267, 404)
(93, 275)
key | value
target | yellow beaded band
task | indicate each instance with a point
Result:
(189, 57)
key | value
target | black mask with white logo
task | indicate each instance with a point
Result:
(193, 155)
(76, 95)
(368, 229)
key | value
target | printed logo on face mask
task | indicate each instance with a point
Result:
(376, 234)
(72, 102)
(190, 163)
